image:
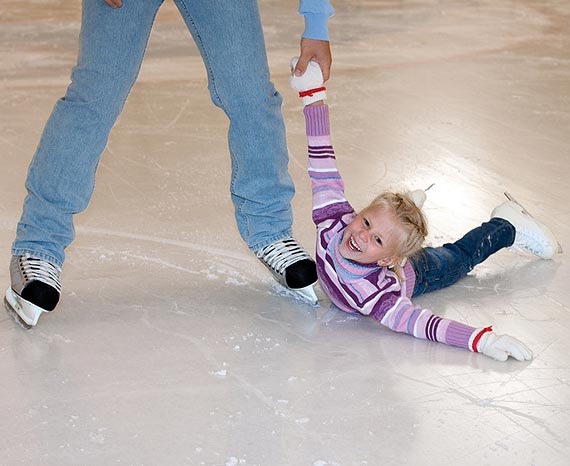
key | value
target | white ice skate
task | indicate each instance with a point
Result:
(35, 289)
(292, 267)
(531, 235)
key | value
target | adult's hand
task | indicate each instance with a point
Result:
(317, 50)
(114, 3)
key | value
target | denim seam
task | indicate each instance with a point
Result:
(235, 165)
(142, 58)
(200, 44)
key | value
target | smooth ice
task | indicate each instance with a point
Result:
(173, 346)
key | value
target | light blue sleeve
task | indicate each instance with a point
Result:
(316, 13)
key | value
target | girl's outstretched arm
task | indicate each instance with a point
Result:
(403, 316)
(327, 185)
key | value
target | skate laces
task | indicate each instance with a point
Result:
(281, 254)
(532, 243)
(531, 237)
(41, 270)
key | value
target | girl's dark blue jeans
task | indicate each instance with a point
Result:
(440, 267)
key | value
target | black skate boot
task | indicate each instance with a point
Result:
(35, 288)
(291, 266)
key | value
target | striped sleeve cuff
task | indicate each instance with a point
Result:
(459, 334)
(317, 120)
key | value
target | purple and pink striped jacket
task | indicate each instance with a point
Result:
(368, 289)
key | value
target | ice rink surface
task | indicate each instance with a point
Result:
(173, 346)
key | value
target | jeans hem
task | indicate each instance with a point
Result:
(259, 246)
(38, 255)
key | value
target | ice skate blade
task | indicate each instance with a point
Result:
(511, 198)
(15, 315)
(26, 313)
(307, 294)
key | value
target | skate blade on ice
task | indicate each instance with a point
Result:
(25, 313)
(511, 198)
(306, 294)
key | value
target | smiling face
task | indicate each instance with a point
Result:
(373, 237)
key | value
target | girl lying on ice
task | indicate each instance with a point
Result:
(373, 262)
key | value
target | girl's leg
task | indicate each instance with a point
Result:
(440, 267)
(61, 176)
(230, 39)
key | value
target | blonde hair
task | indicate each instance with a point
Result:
(411, 220)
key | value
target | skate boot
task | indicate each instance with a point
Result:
(531, 235)
(291, 266)
(35, 289)
(310, 84)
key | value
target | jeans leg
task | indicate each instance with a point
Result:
(61, 176)
(440, 267)
(230, 39)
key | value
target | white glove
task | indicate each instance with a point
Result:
(500, 347)
(311, 79)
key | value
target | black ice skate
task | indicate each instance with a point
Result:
(291, 266)
(35, 289)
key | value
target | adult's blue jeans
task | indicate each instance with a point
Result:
(437, 268)
(112, 44)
